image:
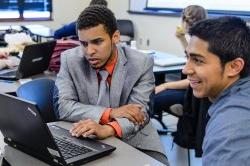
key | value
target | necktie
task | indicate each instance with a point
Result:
(103, 96)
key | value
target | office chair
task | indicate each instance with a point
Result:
(126, 29)
(40, 91)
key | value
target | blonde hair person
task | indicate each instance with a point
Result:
(170, 93)
(190, 15)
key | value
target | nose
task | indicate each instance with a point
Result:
(188, 70)
(90, 49)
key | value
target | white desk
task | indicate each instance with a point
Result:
(11, 86)
(160, 71)
(157, 55)
(124, 155)
(39, 31)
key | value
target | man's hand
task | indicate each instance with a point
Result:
(131, 111)
(3, 55)
(89, 127)
(180, 31)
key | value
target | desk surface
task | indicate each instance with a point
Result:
(165, 69)
(35, 29)
(38, 31)
(11, 86)
(124, 155)
(41, 30)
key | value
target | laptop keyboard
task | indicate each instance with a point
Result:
(70, 150)
(11, 73)
(8, 72)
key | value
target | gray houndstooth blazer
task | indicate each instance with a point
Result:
(76, 92)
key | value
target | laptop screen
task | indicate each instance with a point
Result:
(35, 58)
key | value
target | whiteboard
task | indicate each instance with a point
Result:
(212, 5)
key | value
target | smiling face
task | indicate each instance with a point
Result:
(204, 70)
(97, 45)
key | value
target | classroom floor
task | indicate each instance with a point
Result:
(177, 155)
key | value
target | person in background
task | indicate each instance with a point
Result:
(3, 55)
(98, 89)
(171, 93)
(6, 61)
(218, 67)
(176, 97)
(70, 30)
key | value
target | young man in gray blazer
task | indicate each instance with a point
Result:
(130, 82)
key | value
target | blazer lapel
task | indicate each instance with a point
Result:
(118, 79)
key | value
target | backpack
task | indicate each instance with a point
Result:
(61, 45)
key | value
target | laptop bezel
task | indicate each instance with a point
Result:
(57, 159)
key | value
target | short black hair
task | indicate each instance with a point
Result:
(228, 38)
(95, 15)
(99, 2)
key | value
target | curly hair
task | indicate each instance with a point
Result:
(95, 15)
(99, 2)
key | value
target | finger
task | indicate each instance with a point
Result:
(73, 128)
(137, 115)
(131, 118)
(157, 90)
(134, 115)
(137, 106)
(77, 127)
(143, 118)
(88, 133)
(82, 131)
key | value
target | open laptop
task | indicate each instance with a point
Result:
(23, 129)
(35, 59)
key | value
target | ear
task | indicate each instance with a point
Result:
(116, 37)
(235, 67)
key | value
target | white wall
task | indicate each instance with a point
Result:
(159, 30)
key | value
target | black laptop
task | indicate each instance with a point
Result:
(23, 129)
(35, 59)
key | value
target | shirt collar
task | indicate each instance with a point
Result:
(238, 85)
(110, 67)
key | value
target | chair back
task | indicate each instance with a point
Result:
(40, 91)
(126, 29)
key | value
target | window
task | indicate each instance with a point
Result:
(24, 10)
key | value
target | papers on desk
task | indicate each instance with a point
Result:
(17, 38)
(147, 51)
(170, 61)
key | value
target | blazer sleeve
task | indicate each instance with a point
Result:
(66, 100)
(140, 93)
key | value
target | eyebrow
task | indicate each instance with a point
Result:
(194, 55)
(91, 41)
